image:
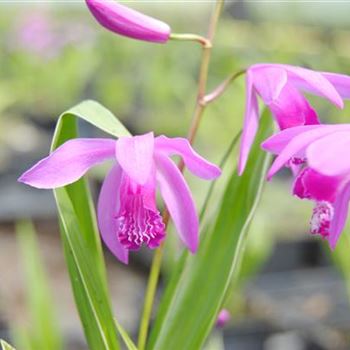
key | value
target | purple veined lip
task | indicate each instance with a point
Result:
(128, 22)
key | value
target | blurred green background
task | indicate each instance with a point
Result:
(53, 55)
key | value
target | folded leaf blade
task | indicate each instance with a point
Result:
(191, 305)
(81, 241)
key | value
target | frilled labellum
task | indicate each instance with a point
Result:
(322, 152)
(138, 220)
(128, 22)
(322, 216)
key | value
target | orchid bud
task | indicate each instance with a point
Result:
(223, 318)
(128, 22)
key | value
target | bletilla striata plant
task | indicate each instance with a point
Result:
(128, 213)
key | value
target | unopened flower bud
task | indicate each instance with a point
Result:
(128, 22)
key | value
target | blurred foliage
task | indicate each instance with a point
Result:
(147, 85)
(42, 330)
(6, 346)
(341, 259)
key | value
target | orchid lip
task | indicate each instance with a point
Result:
(322, 216)
(138, 225)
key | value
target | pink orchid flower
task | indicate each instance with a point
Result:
(280, 86)
(128, 22)
(127, 211)
(323, 152)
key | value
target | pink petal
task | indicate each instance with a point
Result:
(135, 156)
(340, 82)
(341, 209)
(297, 146)
(313, 82)
(148, 191)
(68, 162)
(268, 81)
(312, 185)
(295, 168)
(277, 142)
(251, 123)
(128, 22)
(108, 206)
(330, 154)
(179, 201)
(193, 161)
(291, 109)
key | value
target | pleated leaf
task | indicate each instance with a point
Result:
(125, 336)
(196, 291)
(81, 241)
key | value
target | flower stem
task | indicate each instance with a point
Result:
(220, 89)
(151, 290)
(191, 37)
(150, 294)
(197, 116)
(203, 74)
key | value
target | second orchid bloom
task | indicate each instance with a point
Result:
(324, 174)
(316, 154)
(127, 212)
(280, 86)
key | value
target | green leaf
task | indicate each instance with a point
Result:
(127, 340)
(81, 240)
(88, 284)
(202, 218)
(222, 164)
(190, 305)
(22, 338)
(43, 332)
(99, 116)
(6, 346)
(179, 266)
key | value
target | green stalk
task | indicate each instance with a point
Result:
(191, 37)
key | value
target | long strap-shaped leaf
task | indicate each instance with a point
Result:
(80, 236)
(125, 336)
(196, 291)
(43, 331)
